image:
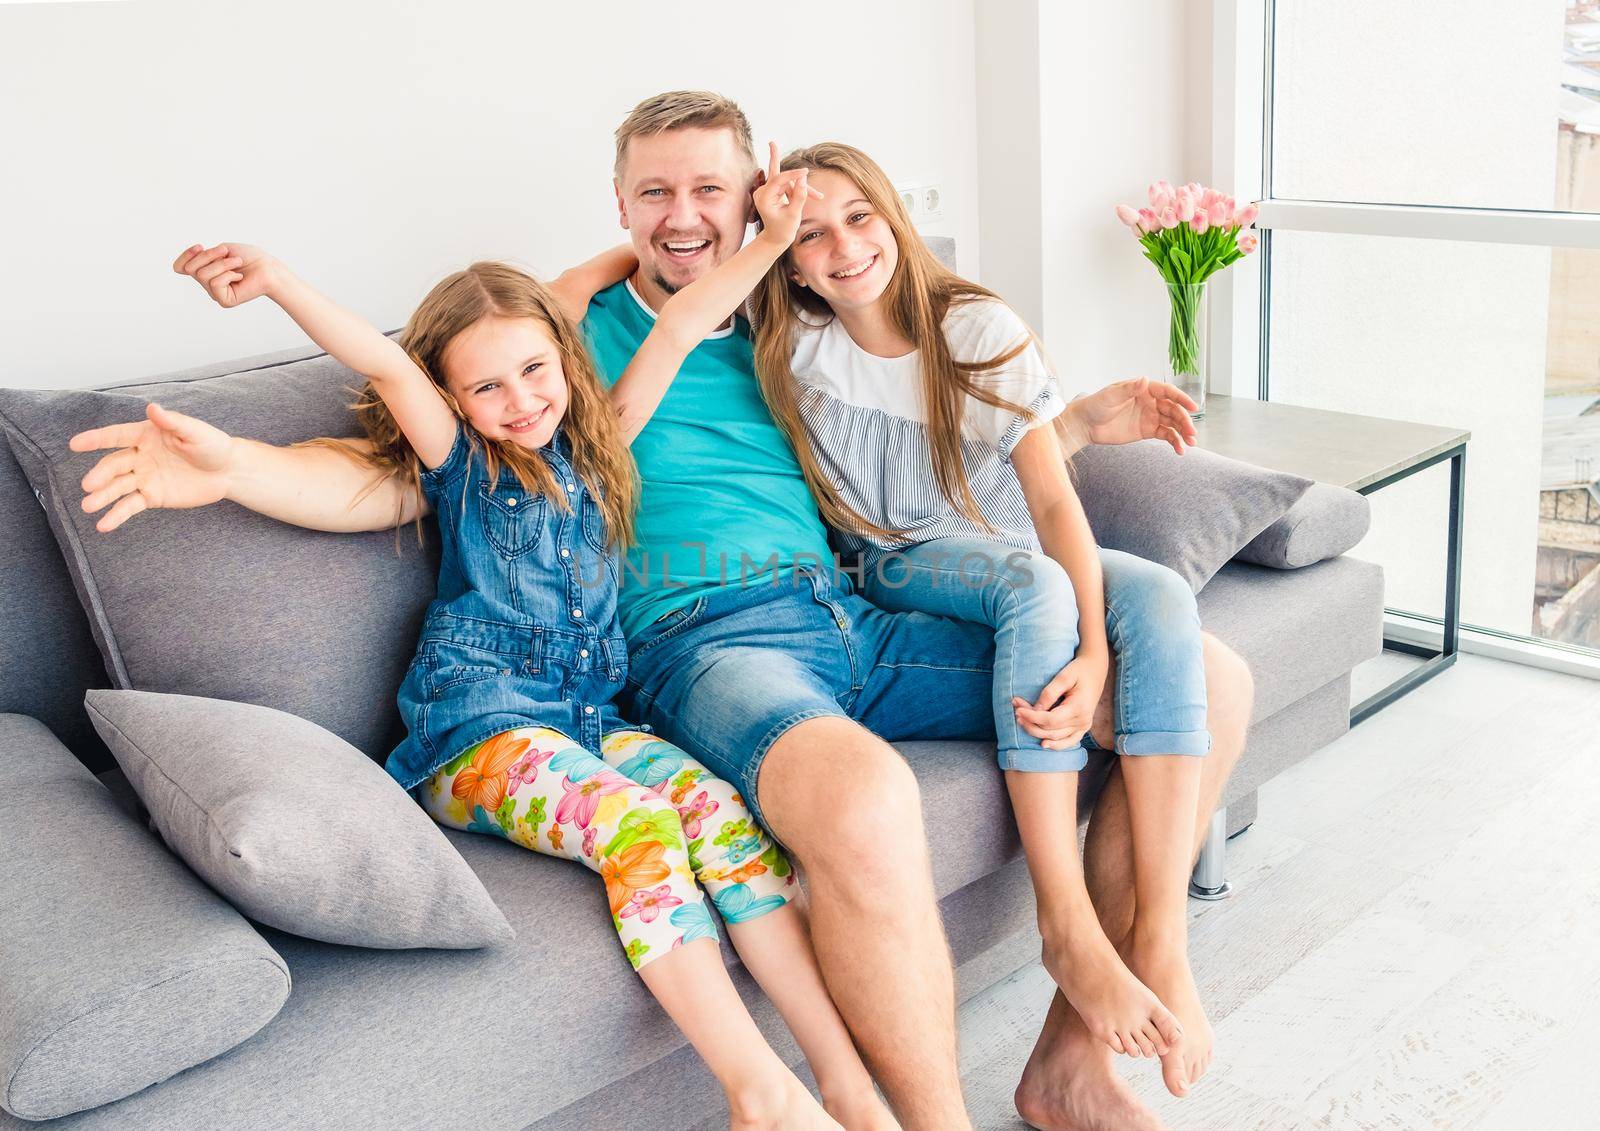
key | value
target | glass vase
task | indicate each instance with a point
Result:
(1187, 341)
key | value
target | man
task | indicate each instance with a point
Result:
(794, 701)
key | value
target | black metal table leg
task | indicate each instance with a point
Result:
(1437, 658)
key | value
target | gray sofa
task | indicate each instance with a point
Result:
(528, 1034)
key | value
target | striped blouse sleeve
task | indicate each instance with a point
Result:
(978, 331)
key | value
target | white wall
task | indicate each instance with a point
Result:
(1010, 153)
(377, 146)
(1106, 98)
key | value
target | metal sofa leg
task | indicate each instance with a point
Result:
(1209, 879)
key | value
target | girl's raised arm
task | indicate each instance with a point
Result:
(708, 302)
(234, 273)
(173, 461)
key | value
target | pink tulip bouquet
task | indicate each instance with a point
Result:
(1190, 233)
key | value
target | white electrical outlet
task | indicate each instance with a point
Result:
(924, 201)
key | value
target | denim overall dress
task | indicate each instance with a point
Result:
(523, 629)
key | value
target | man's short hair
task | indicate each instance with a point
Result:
(684, 109)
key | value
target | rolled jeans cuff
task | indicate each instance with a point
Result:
(1193, 742)
(1039, 761)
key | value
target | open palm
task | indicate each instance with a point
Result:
(167, 460)
(1138, 409)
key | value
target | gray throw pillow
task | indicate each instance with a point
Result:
(1326, 522)
(220, 601)
(118, 968)
(293, 825)
(1191, 513)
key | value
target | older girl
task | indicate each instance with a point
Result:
(932, 432)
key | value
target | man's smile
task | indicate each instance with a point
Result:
(684, 250)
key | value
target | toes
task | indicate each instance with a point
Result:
(1167, 1024)
(1174, 1075)
(1146, 1048)
(1157, 1041)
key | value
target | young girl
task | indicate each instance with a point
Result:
(931, 431)
(490, 403)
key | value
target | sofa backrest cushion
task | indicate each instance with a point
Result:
(48, 657)
(219, 601)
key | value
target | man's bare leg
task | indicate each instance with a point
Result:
(874, 919)
(1069, 1083)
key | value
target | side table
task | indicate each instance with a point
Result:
(1362, 453)
(1365, 454)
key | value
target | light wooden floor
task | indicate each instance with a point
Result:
(1414, 937)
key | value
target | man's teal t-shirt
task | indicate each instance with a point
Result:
(722, 498)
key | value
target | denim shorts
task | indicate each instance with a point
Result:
(725, 677)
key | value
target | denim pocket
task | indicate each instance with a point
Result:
(594, 533)
(513, 520)
(447, 678)
(594, 524)
(668, 626)
(452, 665)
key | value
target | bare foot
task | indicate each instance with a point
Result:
(860, 1111)
(777, 1105)
(1164, 966)
(1116, 1006)
(1070, 1085)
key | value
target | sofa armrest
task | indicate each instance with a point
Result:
(118, 968)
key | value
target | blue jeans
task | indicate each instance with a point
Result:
(725, 677)
(1026, 597)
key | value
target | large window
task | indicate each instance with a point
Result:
(1439, 104)
(1433, 254)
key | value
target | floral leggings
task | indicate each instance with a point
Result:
(650, 819)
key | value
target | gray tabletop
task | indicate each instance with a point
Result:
(1330, 447)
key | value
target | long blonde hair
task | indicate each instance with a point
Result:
(497, 290)
(918, 296)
